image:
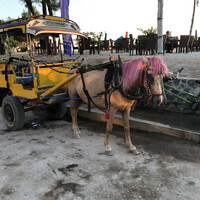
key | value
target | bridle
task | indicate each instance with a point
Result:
(148, 79)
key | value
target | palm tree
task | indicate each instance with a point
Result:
(47, 5)
(29, 5)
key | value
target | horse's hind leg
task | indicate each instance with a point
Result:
(109, 128)
(74, 106)
(125, 118)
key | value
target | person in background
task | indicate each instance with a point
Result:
(168, 43)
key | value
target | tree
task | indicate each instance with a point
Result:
(47, 5)
(196, 3)
(29, 5)
(26, 13)
(93, 35)
(150, 30)
(52, 5)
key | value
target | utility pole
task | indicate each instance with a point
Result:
(160, 28)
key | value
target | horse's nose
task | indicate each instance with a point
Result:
(157, 101)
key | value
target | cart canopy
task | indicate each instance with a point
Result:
(37, 25)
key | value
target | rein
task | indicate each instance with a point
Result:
(87, 94)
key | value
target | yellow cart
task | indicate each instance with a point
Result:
(24, 81)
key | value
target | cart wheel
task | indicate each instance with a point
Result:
(57, 111)
(13, 113)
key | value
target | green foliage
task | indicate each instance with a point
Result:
(26, 13)
(22, 47)
(12, 42)
(94, 37)
(7, 19)
(52, 5)
(55, 4)
(148, 31)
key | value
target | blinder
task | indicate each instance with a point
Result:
(150, 79)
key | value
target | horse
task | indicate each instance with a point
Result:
(143, 72)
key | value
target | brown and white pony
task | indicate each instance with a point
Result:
(145, 72)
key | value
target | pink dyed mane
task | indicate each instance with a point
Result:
(132, 69)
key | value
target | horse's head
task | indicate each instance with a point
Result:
(152, 79)
(145, 72)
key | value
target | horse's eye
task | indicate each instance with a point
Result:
(150, 79)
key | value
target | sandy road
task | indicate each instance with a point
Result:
(47, 163)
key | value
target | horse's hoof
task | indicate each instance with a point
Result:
(77, 136)
(135, 152)
(109, 153)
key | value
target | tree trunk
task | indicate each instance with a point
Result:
(51, 13)
(49, 7)
(44, 12)
(160, 28)
(30, 6)
(44, 7)
(192, 22)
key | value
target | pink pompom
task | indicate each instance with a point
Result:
(107, 115)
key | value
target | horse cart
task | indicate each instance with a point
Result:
(26, 84)
(25, 81)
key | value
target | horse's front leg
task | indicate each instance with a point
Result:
(109, 128)
(125, 118)
(74, 105)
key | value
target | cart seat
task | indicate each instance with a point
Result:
(25, 80)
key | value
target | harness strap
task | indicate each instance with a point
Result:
(107, 82)
(109, 76)
(88, 95)
(114, 72)
(137, 93)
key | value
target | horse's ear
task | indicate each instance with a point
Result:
(168, 76)
(145, 60)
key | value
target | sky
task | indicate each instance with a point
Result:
(115, 17)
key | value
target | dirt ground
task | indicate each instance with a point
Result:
(47, 163)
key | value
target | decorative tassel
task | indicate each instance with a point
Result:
(107, 115)
(149, 100)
